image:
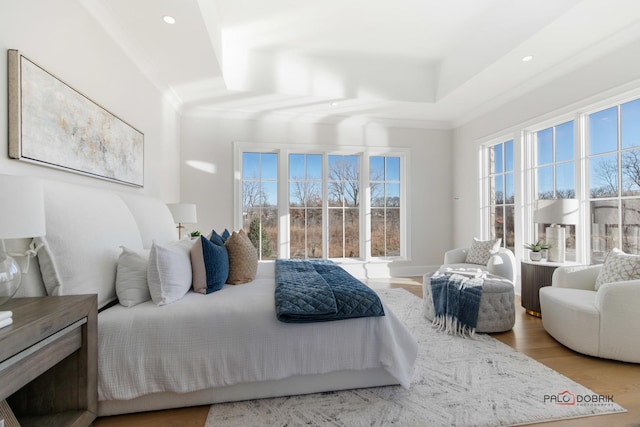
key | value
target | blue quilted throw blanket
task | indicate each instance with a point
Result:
(321, 291)
(456, 300)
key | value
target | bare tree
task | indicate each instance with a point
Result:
(631, 169)
(252, 194)
(607, 171)
(344, 184)
(307, 193)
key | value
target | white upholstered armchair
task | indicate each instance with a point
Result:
(603, 322)
(501, 264)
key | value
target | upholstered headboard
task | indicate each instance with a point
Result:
(85, 229)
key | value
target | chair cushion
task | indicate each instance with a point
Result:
(571, 317)
(618, 267)
(481, 250)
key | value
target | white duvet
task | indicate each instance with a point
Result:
(232, 336)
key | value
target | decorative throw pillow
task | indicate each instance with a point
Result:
(481, 250)
(209, 266)
(243, 258)
(220, 239)
(169, 271)
(617, 267)
(131, 277)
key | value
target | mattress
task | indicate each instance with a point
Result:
(232, 337)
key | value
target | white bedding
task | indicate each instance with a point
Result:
(232, 336)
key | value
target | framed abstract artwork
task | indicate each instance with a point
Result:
(52, 124)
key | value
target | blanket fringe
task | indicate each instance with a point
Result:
(450, 326)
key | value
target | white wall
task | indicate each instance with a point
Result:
(210, 139)
(63, 38)
(602, 80)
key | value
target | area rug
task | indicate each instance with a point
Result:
(457, 382)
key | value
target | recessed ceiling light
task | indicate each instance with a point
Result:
(334, 104)
(169, 19)
(527, 58)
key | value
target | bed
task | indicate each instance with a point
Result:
(200, 349)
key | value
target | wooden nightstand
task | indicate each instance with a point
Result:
(48, 360)
(533, 276)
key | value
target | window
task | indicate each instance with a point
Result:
(344, 206)
(305, 205)
(259, 202)
(614, 179)
(554, 155)
(384, 181)
(341, 204)
(501, 193)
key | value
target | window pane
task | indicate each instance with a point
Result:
(497, 158)
(393, 169)
(631, 173)
(544, 144)
(269, 166)
(296, 166)
(498, 188)
(499, 222)
(603, 131)
(250, 165)
(565, 181)
(336, 230)
(509, 229)
(352, 233)
(314, 233)
(393, 195)
(376, 168)
(603, 176)
(630, 124)
(378, 238)
(377, 194)
(604, 228)
(393, 232)
(508, 156)
(269, 193)
(314, 166)
(545, 183)
(564, 142)
(631, 226)
(297, 232)
(305, 193)
(509, 187)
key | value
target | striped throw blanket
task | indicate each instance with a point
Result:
(456, 300)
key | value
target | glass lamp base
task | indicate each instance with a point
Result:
(10, 277)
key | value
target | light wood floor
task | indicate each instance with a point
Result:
(606, 377)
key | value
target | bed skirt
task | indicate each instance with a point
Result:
(304, 384)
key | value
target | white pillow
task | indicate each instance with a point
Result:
(131, 277)
(481, 250)
(169, 271)
(618, 267)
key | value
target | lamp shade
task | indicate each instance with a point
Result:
(21, 207)
(183, 213)
(556, 211)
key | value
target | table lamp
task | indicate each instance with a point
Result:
(21, 216)
(183, 213)
(556, 212)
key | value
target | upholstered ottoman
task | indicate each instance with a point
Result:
(497, 307)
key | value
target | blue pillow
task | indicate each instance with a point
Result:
(220, 239)
(209, 265)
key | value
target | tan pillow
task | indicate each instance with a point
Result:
(243, 258)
